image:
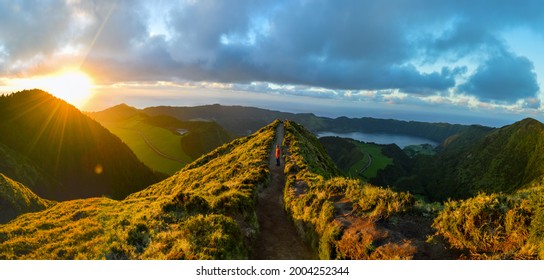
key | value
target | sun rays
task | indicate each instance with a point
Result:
(74, 86)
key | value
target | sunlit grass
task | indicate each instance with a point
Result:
(496, 226)
(133, 130)
(17, 199)
(327, 208)
(205, 211)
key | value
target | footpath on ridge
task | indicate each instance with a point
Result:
(278, 239)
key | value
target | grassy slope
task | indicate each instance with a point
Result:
(342, 218)
(132, 126)
(69, 146)
(502, 160)
(351, 156)
(131, 130)
(205, 211)
(379, 160)
(16, 199)
(496, 226)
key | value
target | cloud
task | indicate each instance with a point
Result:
(531, 103)
(306, 43)
(354, 45)
(503, 78)
(25, 25)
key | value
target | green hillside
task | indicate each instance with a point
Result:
(163, 143)
(481, 160)
(16, 199)
(81, 155)
(208, 211)
(22, 169)
(205, 211)
(347, 219)
(498, 173)
(380, 165)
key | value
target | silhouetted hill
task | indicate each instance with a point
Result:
(84, 157)
(16, 199)
(20, 168)
(115, 114)
(243, 120)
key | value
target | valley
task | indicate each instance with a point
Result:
(163, 143)
(476, 195)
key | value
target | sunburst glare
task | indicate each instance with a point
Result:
(74, 87)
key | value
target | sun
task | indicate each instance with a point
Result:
(74, 87)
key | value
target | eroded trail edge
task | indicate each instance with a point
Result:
(278, 238)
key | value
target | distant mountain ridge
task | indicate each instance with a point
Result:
(83, 157)
(242, 120)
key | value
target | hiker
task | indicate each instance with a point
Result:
(278, 153)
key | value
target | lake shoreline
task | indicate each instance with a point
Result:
(400, 140)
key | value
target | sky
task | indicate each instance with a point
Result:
(457, 61)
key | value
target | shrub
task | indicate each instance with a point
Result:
(186, 203)
(394, 251)
(489, 226)
(139, 237)
(214, 237)
(327, 242)
(378, 203)
(117, 252)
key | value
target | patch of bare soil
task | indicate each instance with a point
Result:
(418, 229)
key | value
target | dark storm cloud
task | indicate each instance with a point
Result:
(503, 77)
(355, 45)
(317, 43)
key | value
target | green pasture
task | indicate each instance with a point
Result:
(133, 130)
(379, 160)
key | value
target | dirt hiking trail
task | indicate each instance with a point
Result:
(278, 239)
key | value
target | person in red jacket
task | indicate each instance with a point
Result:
(278, 154)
